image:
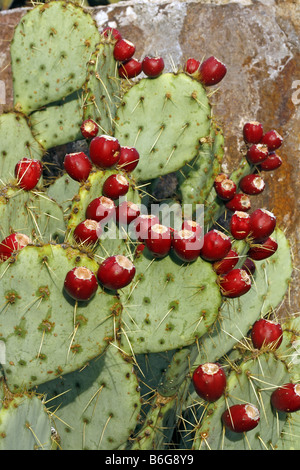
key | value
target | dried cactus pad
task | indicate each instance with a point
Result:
(166, 119)
(50, 49)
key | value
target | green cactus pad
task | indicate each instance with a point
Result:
(16, 142)
(97, 407)
(58, 123)
(165, 119)
(101, 91)
(46, 333)
(252, 382)
(50, 48)
(168, 305)
(62, 190)
(32, 213)
(24, 424)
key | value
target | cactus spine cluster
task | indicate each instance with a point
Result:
(115, 371)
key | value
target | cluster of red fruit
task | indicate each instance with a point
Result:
(209, 381)
(129, 66)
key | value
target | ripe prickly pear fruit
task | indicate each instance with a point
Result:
(78, 166)
(241, 418)
(286, 398)
(12, 243)
(253, 132)
(28, 172)
(209, 381)
(266, 333)
(81, 283)
(216, 245)
(235, 283)
(104, 151)
(116, 272)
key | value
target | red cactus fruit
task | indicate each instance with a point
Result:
(263, 223)
(216, 245)
(249, 266)
(253, 132)
(263, 250)
(272, 139)
(115, 186)
(239, 202)
(266, 333)
(241, 418)
(153, 66)
(10, 244)
(252, 184)
(89, 129)
(78, 166)
(142, 224)
(124, 50)
(240, 225)
(87, 232)
(272, 162)
(81, 283)
(126, 212)
(28, 172)
(101, 209)
(159, 240)
(225, 187)
(129, 159)
(111, 32)
(212, 71)
(191, 66)
(186, 245)
(209, 381)
(257, 153)
(130, 68)
(116, 272)
(227, 263)
(286, 398)
(104, 151)
(193, 226)
(235, 283)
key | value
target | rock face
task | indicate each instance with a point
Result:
(260, 44)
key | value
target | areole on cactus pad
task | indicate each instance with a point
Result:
(112, 297)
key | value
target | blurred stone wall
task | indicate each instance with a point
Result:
(259, 41)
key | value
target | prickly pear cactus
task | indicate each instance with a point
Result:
(102, 325)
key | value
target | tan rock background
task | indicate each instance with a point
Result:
(259, 42)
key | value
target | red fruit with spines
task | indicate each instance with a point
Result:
(272, 162)
(127, 212)
(123, 50)
(101, 209)
(212, 71)
(252, 184)
(216, 245)
(116, 272)
(186, 245)
(81, 283)
(28, 172)
(253, 132)
(113, 32)
(257, 153)
(78, 166)
(227, 263)
(87, 232)
(235, 283)
(266, 333)
(115, 186)
(129, 159)
(130, 68)
(89, 129)
(286, 398)
(225, 187)
(241, 417)
(209, 381)
(12, 243)
(239, 202)
(142, 224)
(240, 225)
(264, 250)
(249, 266)
(104, 151)
(159, 240)
(193, 226)
(191, 66)
(272, 139)
(153, 66)
(263, 223)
